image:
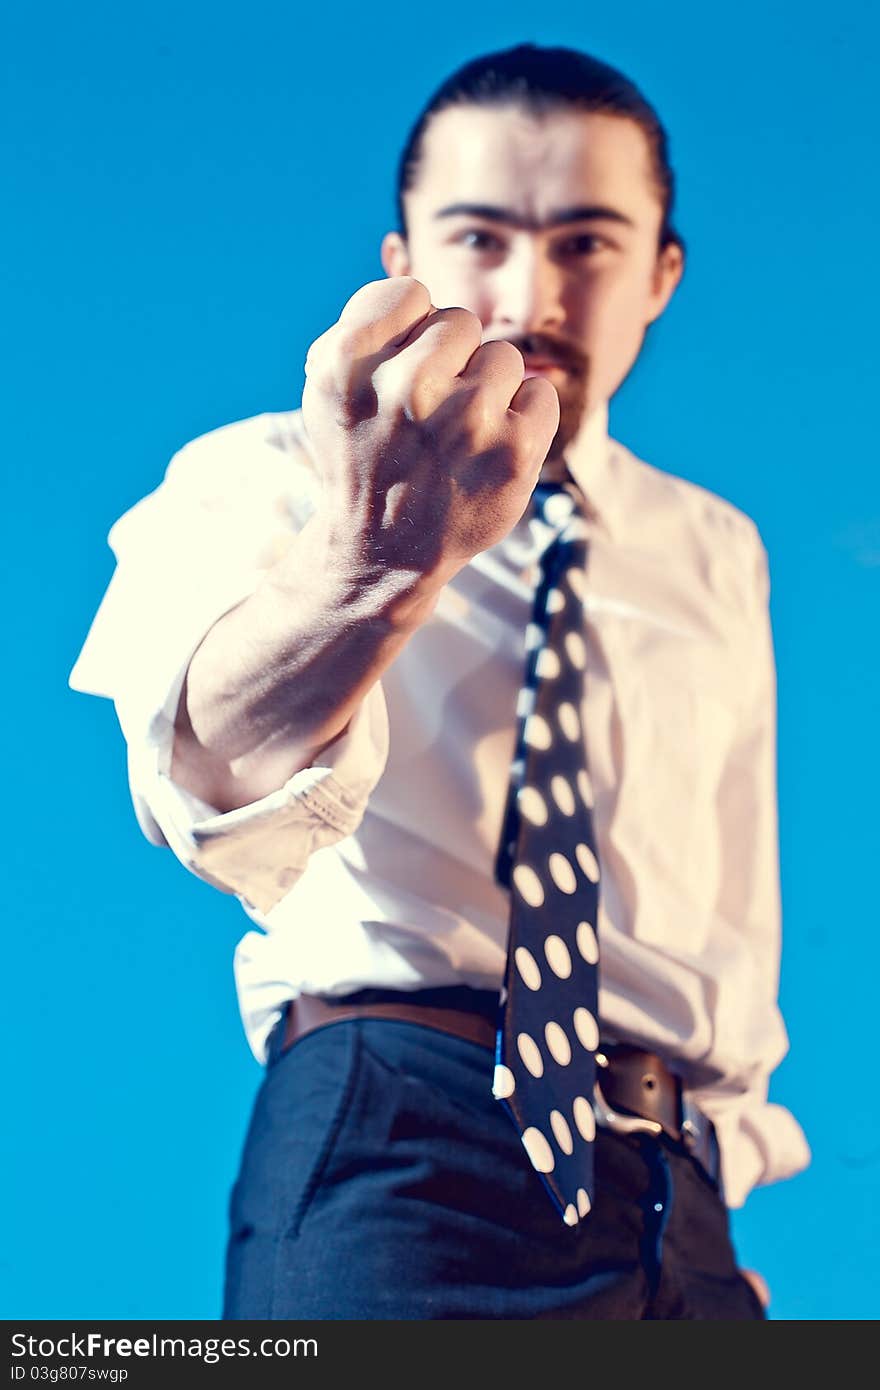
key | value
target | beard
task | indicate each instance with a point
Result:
(573, 404)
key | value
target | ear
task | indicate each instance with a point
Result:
(394, 254)
(667, 274)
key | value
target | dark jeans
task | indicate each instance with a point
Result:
(380, 1179)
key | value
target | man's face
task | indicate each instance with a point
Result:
(547, 229)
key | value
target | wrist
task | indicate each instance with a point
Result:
(330, 568)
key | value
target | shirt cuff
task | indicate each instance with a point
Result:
(259, 851)
(759, 1142)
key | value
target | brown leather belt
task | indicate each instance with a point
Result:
(633, 1082)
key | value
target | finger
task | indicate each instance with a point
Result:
(537, 401)
(384, 312)
(423, 372)
(448, 336)
(376, 319)
(759, 1284)
(498, 367)
(534, 416)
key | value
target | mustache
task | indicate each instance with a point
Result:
(540, 346)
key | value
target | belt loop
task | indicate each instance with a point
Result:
(701, 1140)
(275, 1036)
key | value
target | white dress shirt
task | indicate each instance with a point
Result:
(375, 868)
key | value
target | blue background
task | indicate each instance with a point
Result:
(194, 197)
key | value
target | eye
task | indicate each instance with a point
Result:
(479, 240)
(584, 244)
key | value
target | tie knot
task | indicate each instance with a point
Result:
(554, 504)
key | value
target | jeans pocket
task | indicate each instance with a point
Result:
(326, 1075)
(297, 1114)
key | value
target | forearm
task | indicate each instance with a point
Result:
(280, 676)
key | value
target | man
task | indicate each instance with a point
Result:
(314, 640)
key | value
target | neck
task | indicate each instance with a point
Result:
(571, 452)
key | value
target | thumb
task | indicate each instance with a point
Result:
(758, 1283)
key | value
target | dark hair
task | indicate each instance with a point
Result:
(542, 80)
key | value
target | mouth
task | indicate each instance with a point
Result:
(539, 366)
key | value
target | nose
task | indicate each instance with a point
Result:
(528, 291)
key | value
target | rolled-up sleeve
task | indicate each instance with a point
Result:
(187, 554)
(761, 1142)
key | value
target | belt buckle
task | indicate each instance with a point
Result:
(613, 1119)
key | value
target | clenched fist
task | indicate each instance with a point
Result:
(429, 442)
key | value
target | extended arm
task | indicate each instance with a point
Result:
(232, 675)
(278, 678)
(424, 459)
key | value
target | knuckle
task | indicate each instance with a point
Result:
(425, 390)
(424, 375)
(350, 343)
(331, 364)
(316, 352)
(528, 444)
(362, 298)
(410, 287)
(470, 424)
(462, 321)
(505, 353)
(318, 369)
(478, 416)
(537, 400)
(379, 297)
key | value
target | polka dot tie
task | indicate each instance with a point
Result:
(547, 1027)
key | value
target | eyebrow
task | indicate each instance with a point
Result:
(591, 212)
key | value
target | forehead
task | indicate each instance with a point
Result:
(503, 155)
